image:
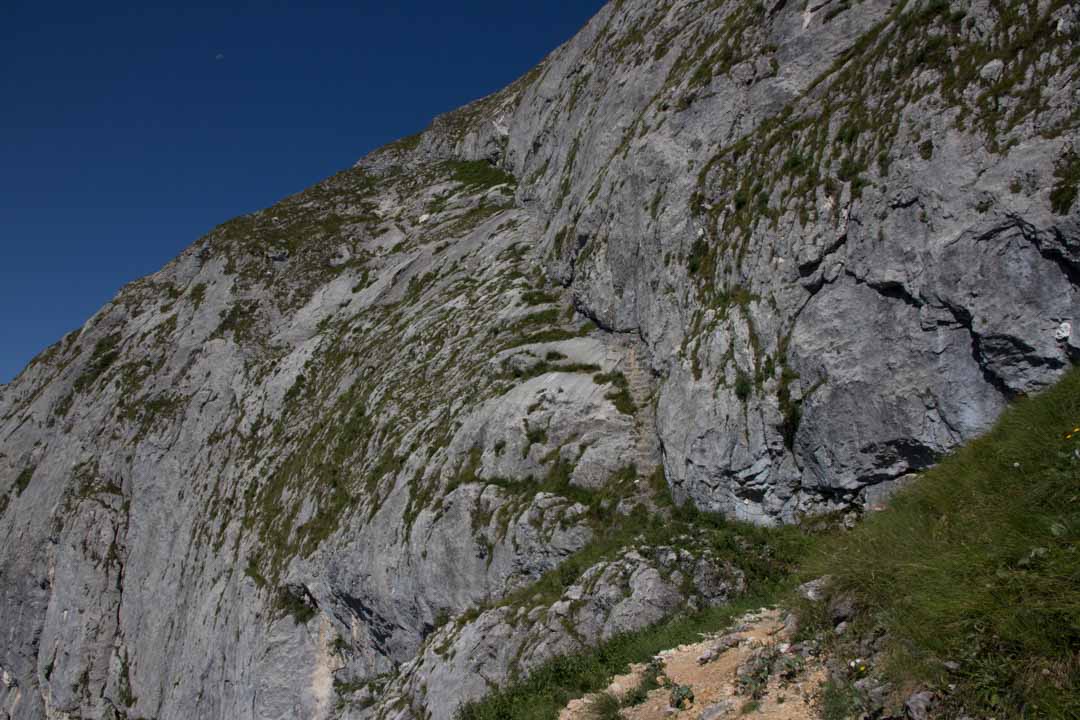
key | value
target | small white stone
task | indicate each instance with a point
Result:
(992, 70)
(423, 219)
(1064, 330)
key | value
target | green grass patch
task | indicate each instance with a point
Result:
(198, 294)
(838, 701)
(743, 386)
(1063, 194)
(699, 252)
(538, 297)
(541, 317)
(550, 335)
(620, 396)
(977, 564)
(622, 401)
(23, 481)
(105, 354)
(544, 367)
(406, 144)
(605, 706)
(294, 600)
(750, 706)
(479, 174)
(650, 681)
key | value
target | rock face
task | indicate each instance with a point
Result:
(789, 254)
(639, 588)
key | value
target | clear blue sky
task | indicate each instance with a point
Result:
(129, 130)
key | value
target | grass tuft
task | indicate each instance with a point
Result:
(605, 706)
(479, 174)
(838, 701)
(620, 396)
(1067, 173)
(23, 480)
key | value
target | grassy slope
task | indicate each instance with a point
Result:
(976, 564)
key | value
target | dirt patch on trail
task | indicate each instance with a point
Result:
(753, 671)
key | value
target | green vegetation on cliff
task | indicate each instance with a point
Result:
(972, 575)
(766, 556)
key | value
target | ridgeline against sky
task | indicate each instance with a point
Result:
(127, 131)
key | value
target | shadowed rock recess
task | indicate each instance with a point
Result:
(787, 253)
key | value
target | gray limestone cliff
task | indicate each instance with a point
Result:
(765, 258)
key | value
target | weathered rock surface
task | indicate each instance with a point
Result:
(789, 254)
(460, 662)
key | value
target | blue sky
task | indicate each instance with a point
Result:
(129, 130)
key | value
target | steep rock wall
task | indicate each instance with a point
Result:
(299, 471)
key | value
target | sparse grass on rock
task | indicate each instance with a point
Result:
(767, 556)
(972, 574)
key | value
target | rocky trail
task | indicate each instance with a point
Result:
(753, 670)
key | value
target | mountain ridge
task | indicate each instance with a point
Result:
(329, 428)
